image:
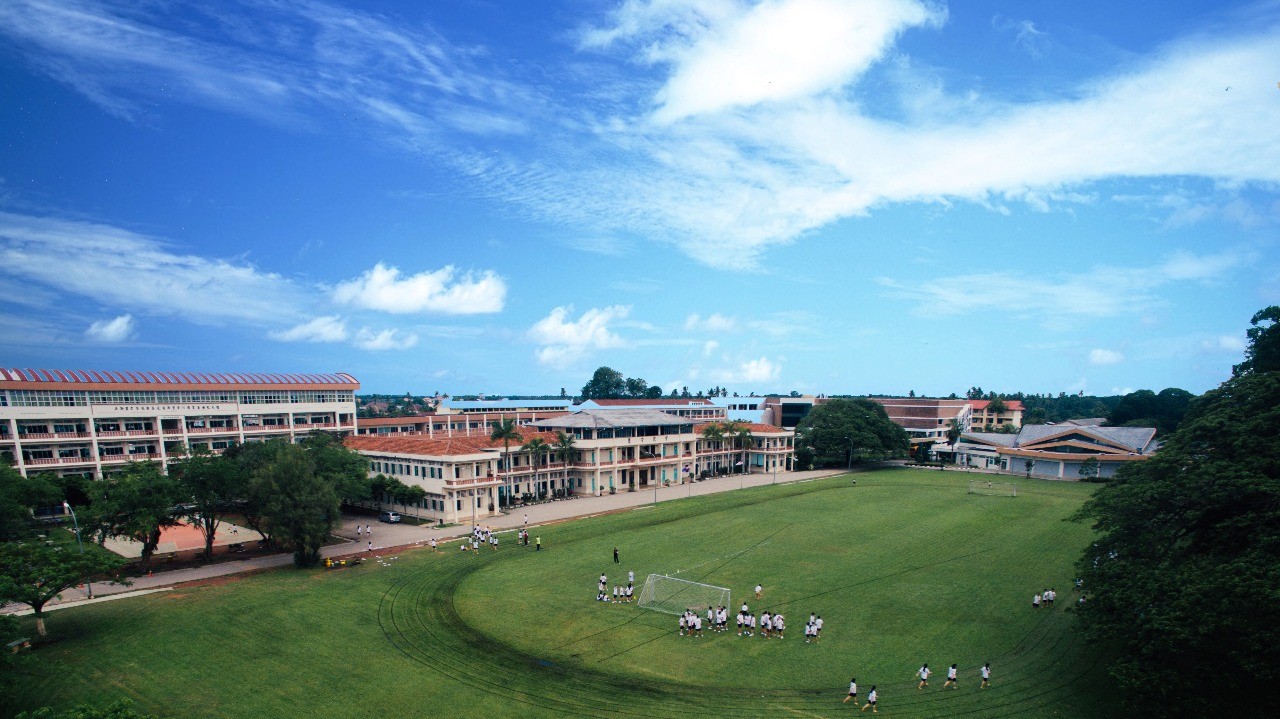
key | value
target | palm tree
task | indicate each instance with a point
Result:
(535, 447)
(741, 436)
(506, 431)
(713, 432)
(564, 450)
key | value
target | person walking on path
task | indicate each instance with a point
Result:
(615, 555)
(359, 532)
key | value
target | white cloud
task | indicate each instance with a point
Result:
(388, 339)
(113, 330)
(566, 341)
(714, 322)
(444, 291)
(1104, 357)
(741, 55)
(709, 347)
(320, 329)
(1231, 343)
(1121, 390)
(120, 268)
(755, 370)
(1100, 292)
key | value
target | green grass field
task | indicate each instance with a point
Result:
(905, 568)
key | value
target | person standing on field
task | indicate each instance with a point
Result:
(615, 555)
(537, 544)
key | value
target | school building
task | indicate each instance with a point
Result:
(89, 423)
(1056, 451)
(468, 476)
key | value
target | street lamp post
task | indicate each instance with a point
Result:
(850, 469)
(79, 543)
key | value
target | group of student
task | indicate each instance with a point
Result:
(924, 672)
(1046, 598)
(479, 536)
(621, 594)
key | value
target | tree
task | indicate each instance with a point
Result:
(299, 506)
(1263, 353)
(406, 494)
(636, 387)
(654, 392)
(742, 439)
(564, 449)
(18, 496)
(33, 574)
(137, 504)
(1183, 575)
(210, 486)
(954, 430)
(1089, 470)
(536, 447)
(505, 431)
(247, 461)
(834, 431)
(344, 470)
(606, 383)
(713, 433)
(997, 406)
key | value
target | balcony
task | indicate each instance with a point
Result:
(476, 482)
(52, 435)
(58, 460)
(121, 458)
(128, 433)
(211, 430)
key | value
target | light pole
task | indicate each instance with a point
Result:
(79, 543)
(850, 469)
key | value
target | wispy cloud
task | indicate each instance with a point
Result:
(714, 322)
(1102, 356)
(444, 291)
(387, 339)
(125, 269)
(565, 341)
(111, 331)
(1101, 292)
(320, 329)
(760, 369)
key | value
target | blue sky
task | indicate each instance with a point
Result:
(834, 196)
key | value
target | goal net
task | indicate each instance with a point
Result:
(672, 596)
(993, 489)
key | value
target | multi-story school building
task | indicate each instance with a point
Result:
(91, 422)
(468, 476)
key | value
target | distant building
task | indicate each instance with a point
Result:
(699, 408)
(467, 477)
(89, 423)
(489, 406)
(925, 419)
(743, 409)
(984, 417)
(1056, 451)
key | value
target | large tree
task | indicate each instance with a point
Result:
(343, 469)
(137, 504)
(535, 448)
(606, 383)
(1263, 353)
(210, 487)
(18, 496)
(298, 506)
(836, 431)
(1184, 573)
(33, 574)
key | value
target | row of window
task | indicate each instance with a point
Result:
(69, 398)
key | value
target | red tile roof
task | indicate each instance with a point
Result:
(1012, 405)
(439, 446)
(15, 378)
(700, 401)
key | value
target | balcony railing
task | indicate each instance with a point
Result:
(52, 435)
(112, 458)
(211, 430)
(59, 460)
(127, 433)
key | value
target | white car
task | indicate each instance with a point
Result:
(389, 517)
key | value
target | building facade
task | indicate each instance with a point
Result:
(90, 423)
(1056, 451)
(469, 477)
(987, 418)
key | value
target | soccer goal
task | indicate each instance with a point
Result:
(993, 489)
(672, 596)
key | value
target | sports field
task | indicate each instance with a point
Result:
(905, 567)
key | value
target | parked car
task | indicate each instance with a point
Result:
(389, 517)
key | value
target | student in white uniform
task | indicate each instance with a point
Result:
(872, 698)
(986, 675)
(951, 678)
(853, 692)
(779, 625)
(924, 673)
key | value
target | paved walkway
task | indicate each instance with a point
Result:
(392, 537)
